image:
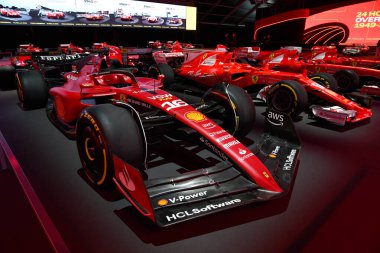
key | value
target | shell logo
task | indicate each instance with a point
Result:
(255, 79)
(272, 156)
(162, 202)
(265, 174)
(195, 116)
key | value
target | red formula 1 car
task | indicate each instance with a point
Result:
(94, 17)
(70, 48)
(10, 13)
(287, 92)
(121, 122)
(20, 61)
(113, 52)
(321, 60)
(126, 17)
(24, 54)
(55, 15)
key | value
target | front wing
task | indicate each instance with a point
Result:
(224, 186)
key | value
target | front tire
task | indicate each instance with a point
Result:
(326, 80)
(103, 131)
(32, 89)
(288, 97)
(239, 112)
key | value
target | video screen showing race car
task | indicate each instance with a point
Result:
(91, 13)
(353, 24)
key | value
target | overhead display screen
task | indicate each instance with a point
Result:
(353, 24)
(97, 13)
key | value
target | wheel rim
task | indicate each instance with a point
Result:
(323, 82)
(282, 100)
(93, 155)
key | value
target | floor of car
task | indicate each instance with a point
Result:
(332, 206)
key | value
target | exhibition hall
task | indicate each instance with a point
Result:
(189, 126)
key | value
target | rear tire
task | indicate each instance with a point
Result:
(32, 89)
(161, 68)
(7, 77)
(104, 130)
(347, 80)
(288, 97)
(115, 64)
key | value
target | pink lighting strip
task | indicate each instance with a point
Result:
(50, 230)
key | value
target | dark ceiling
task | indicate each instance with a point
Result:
(240, 12)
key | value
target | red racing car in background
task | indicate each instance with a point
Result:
(114, 52)
(348, 74)
(117, 118)
(284, 91)
(70, 48)
(10, 13)
(55, 15)
(94, 17)
(20, 61)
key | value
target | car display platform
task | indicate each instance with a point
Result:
(332, 207)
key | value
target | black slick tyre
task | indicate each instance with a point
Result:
(164, 69)
(347, 80)
(103, 131)
(287, 96)
(115, 64)
(325, 80)
(7, 77)
(32, 89)
(238, 114)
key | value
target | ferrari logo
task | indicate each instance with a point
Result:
(317, 69)
(271, 56)
(204, 56)
(265, 174)
(123, 98)
(255, 79)
(354, 63)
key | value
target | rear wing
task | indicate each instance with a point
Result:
(56, 60)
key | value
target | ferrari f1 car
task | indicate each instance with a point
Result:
(10, 13)
(350, 73)
(21, 60)
(116, 118)
(283, 91)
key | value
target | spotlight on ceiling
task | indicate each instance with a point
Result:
(263, 3)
